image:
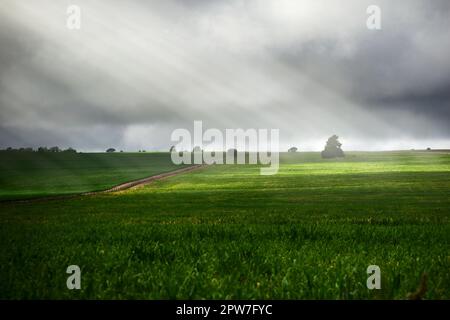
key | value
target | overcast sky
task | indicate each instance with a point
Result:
(137, 70)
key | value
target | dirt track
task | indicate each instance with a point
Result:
(142, 182)
(120, 187)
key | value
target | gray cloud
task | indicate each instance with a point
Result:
(138, 70)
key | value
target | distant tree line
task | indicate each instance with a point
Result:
(41, 150)
(332, 149)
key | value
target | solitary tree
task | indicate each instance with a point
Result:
(293, 149)
(333, 148)
(110, 150)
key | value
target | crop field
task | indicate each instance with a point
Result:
(226, 232)
(33, 174)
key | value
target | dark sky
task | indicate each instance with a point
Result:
(137, 70)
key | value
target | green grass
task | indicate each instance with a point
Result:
(28, 175)
(226, 232)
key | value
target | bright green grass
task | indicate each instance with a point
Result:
(25, 174)
(227, 232)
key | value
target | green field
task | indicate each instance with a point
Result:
(226, 232)
(33, 174)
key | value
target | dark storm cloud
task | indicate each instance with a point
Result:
(378, 79)
(137, 70)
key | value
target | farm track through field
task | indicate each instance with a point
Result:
(142, 182)
(119, 187)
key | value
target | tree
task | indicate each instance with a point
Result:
(333, 148)
(70, 150)
(293, 149)
(54, 149)
(111, 150)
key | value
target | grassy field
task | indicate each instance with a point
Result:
(28, 175)
(224, 232)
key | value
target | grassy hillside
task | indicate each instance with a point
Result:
(226, 232)
(27, 174)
